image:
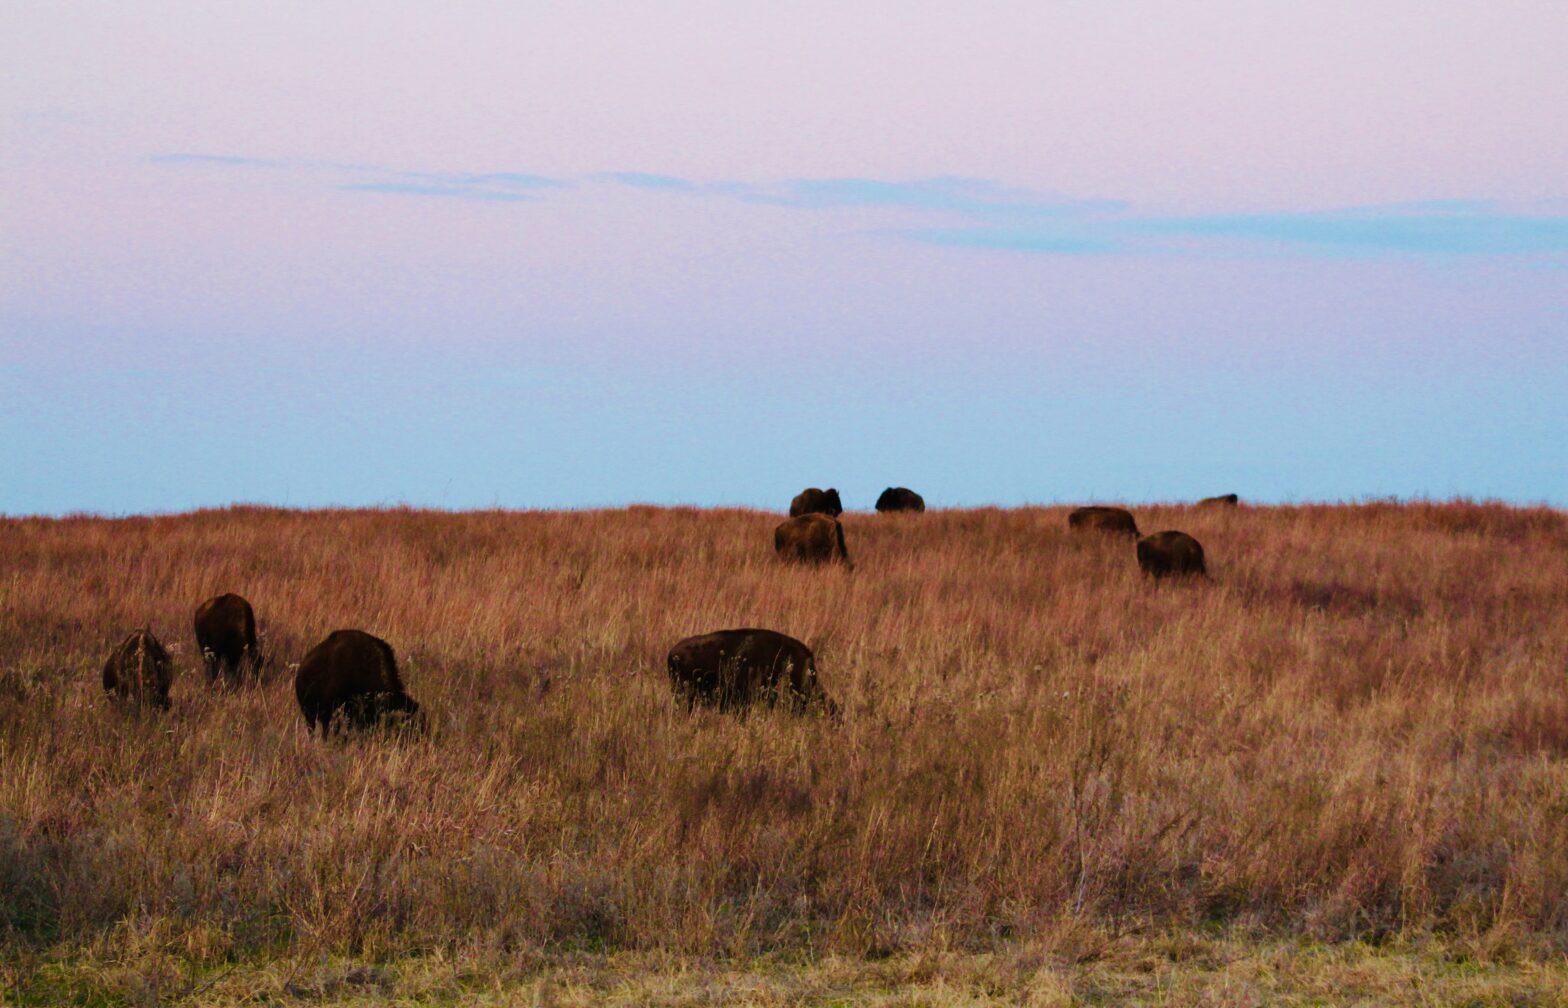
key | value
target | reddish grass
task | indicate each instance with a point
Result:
(1360, 727)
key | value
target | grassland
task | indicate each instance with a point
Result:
(1347, 756)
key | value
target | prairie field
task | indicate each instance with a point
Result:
(1353, 739)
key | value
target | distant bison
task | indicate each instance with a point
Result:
(1165, 554)
(1103, 519)
(139, 671)
(900, 499)
(733, 668)
(350, 679)
(1223, 500)
(811, 538)
(226, 635)
(814, 501)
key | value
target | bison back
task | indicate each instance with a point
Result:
(353, 675)
(811, 538)
(1171, 553)
(1103, 519)
(734, 668)
(900, 499)
(814, 501)
(226, 635)
(139, 671)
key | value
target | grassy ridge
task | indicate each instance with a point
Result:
(1359, 730)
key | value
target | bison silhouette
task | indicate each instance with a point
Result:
(732, 669)
(1103, 519)
(814, 501)
(1223, 500)
(900, 499)
(1171, 554)
(139, 671)
(811, 538)
(226, 635)
(350, 680)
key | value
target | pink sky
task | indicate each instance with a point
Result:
(1372, 196)
(1179, 105)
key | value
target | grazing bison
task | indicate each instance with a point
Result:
(811, 538)
(226, 635)
(900, 499)
(139, 671)
(1164, 554)
(731, 669)
(350, 680)
(1223, 500)
(814, 501)
(1103, 519)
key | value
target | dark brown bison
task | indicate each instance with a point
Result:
(811, 538)
(1166, 554)
(226, 635)
(139, 671)
(1103, 519)
(1223, 500)
(731, 669)
(814, 501)
(900, 499)
(350, 680)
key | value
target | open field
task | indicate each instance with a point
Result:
(1357, 733)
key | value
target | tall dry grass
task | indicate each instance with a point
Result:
(1361, 726)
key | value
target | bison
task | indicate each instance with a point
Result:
(350, 680)
(732, 669)
(226, 635)
(1223, 500)
(1165, 554)
(811, 538)
(814, 501)
(139, 671)
(900, 499)
(1103, 519)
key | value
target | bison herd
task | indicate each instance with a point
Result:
(350, 680)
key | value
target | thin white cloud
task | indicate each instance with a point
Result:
(984, 214)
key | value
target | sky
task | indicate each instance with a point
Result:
(472, 255)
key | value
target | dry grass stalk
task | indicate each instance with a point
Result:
(1360, 727)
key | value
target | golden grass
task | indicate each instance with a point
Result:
(1359, 730)
(1170, 970)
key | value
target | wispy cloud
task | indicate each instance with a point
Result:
(1465, 228)
(1432, 228)
(979, 198)
(487, 187)
(484, 187)
(513, 180)
(983, 214)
